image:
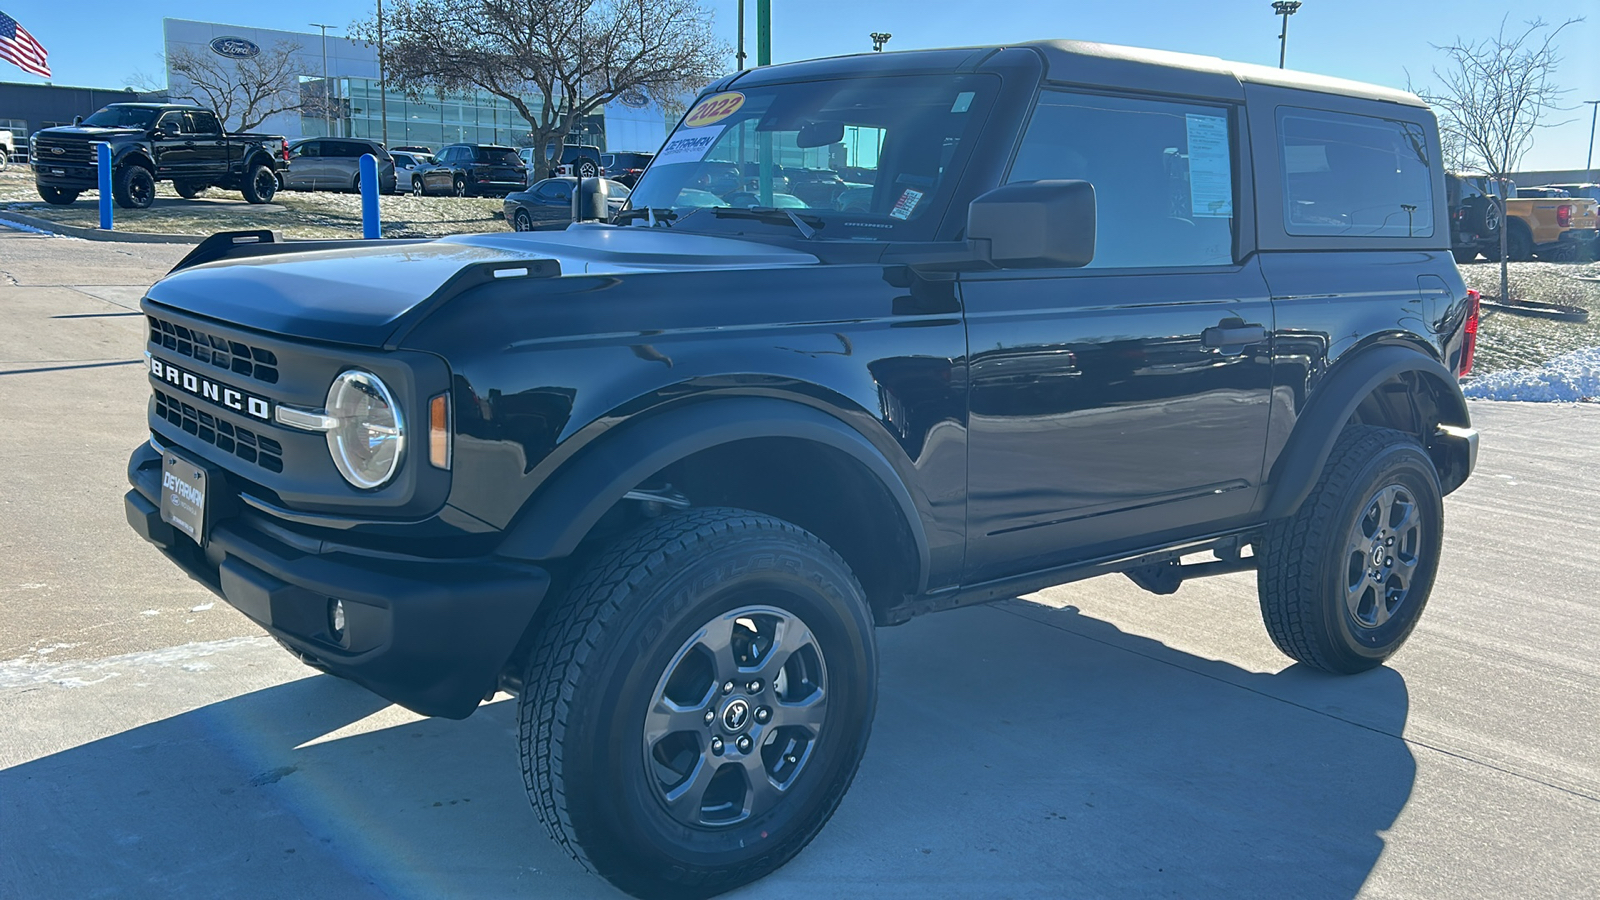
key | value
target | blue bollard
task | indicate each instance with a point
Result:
(103, 160)
(370, 228)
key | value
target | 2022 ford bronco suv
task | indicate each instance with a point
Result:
(660, 478)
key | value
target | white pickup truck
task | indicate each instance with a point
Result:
(8, 149)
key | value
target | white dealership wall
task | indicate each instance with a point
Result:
(346, 58)
(627, 126)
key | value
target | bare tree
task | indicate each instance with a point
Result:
(1490, 98)
(554, 61)
(244, 92)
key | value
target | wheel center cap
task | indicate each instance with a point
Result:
(736, 714)
(1377, 556)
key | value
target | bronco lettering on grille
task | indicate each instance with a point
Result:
(206, 389)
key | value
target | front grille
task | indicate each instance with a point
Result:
(230, 356)
(75, 151)
(225, 436)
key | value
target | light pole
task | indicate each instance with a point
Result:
(327, 108)
(1285, 8)
(739, 56)
(383, 85)
(1589, 163)
(879, 38)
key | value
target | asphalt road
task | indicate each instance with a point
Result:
(1089, 741)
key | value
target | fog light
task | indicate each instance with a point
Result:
(336, 620)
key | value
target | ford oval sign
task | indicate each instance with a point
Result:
(234, 47)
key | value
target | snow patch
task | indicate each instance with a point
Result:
(202, 607)
(1570, 377)
(26, 672)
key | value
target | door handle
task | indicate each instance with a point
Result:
(1233, 332)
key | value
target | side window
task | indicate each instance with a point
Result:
(1162, 173)
(1357, 176)
(308, 150)
(171, 123)
(203, 122)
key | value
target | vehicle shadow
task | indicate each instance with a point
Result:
(1046, 755)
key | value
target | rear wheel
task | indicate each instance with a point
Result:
(1343, 581)
(417, 189)
(133, 187)
(459, 187)
(1519, 242)
(260, 184)
(57, 196)
(522, 221)
(699, 703)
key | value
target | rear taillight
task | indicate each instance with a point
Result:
(1564, 216)
(1469, 336)
(285, 151)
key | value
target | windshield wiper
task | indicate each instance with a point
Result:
(655, 216)
(768, 214)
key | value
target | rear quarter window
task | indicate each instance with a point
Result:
(1356, 176)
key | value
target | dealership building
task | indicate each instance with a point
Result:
(346, 72)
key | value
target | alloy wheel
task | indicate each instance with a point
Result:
(1382, 555)
(736, 716)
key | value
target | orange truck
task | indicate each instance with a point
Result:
(1553, 228)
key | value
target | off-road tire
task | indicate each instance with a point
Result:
(188, 189)
(1519, 242)
(595, 668)
(133, 187)
(58, 196)
(1464, 255)
(1304, 559)
(260, 184)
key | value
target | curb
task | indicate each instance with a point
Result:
(95, 234)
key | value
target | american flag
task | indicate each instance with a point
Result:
(18, 46)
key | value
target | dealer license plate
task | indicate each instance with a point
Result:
(58, 171)
(183, 497)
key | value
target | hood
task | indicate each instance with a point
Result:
(88, 132)
(361, 295)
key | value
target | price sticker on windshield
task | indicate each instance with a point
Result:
(714, 109)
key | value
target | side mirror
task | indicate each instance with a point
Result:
(1035, 224)
(77, 120)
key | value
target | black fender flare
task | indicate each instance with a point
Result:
(1333, 402)
(133, 155)
(577, 494)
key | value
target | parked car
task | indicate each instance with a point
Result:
(576, 159)
(487, 169)
(419, 150)
(437, 178)
(407, 162)
(1579, 189)
(334, 164)
(1474, 216)
(153, 142)
(555, 192)
(661, 480)
(625, 167)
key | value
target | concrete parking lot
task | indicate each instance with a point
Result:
(1088, 741)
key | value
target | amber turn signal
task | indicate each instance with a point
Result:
(439, 431)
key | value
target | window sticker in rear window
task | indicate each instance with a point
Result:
(1210, 167)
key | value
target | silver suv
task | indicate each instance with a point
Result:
(334, 164)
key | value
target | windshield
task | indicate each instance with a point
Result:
(863, 158)
(122, 117)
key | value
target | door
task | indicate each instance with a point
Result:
(209, 145)
(173, 148)
(304, 157)
(1126, 402)
(341, 161)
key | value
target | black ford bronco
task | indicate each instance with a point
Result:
(153, 142)
(1082, 310)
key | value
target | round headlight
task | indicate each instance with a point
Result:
(369, 434)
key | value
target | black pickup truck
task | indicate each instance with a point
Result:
(153, 142)
(1088, 310)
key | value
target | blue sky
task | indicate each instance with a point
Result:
(100, 43)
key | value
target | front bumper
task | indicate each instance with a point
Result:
(66, 177)
(429, 634)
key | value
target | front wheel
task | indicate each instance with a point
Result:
(699, 703)
(58, 196)
(1343, 581)
(133, 187)
(522, 221)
